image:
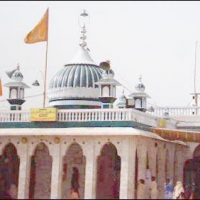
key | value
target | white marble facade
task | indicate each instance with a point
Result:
(159, 152)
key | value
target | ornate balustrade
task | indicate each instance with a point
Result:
(14, 116)
(107, 115)
(86, 115)
(176, 111)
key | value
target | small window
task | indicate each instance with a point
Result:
(138, 103)
(13, 93)
(105, 90)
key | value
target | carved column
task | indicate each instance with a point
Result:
(161, 170)
(55, 151)
(127, 155)
(91, 152)
(142, 161)
(24, 171)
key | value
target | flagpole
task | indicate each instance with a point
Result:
(45, 71)
(45, 76)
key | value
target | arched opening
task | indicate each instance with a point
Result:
(138, 103)
(175, 166)
(192, 175)
(73, 179)
(167, 176)
(9, 172)
(157, 164)
(148, 176)
(108, 173)
(40, 173)
(106, 91)
(136, 174)
(21, 94)
(13, 93)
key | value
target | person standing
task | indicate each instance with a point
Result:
(178, 191)
(75, 184)
(168, 189)
(153, 188)
(141, 193)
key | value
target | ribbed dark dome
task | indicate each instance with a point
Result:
(76, 75)
(74, 86)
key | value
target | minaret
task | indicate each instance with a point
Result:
(140, 96)
(16, 89)
(107, 85)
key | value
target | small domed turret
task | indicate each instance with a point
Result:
(140, 87)
(139, 96)
(107, 86)
(17, 75)
(122, 101)
(16, 89)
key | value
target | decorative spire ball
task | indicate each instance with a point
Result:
(82, 22)
(140, 87)
(140, 78)
(18, 66)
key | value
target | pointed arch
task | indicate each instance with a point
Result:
(167, 165)
(157, 166)
(108, 162)
(40, 173)
(191, 175)
(196, 153)
(147, 160)
(9, 171)
(148, 175)
(136, 173)
(73, 171)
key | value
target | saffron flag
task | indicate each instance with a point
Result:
(1, 90)
(39, 32)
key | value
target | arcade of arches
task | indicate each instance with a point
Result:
(192, 174)
(112, 167)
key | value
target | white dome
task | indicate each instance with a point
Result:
(17, 76)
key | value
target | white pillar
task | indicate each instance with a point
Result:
(152, 153)
(24, 171)
(171, 162)
(91, 153)
(55, 151)
(180, 156)
(161, 171)
(142, 159)
(127, 178)
(131, 174)
(124, 170)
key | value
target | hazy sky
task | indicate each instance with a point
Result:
(154, 39)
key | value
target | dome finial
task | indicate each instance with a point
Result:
(18, 66)
(82, 22)
(140, 78)
(140, 87)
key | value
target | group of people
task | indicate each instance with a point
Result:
(149, 190)
(177, 192)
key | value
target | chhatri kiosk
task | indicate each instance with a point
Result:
(88, 141)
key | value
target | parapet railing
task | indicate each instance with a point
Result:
(176, 111)
(84, 115)
(107, 115)
(14, 116)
